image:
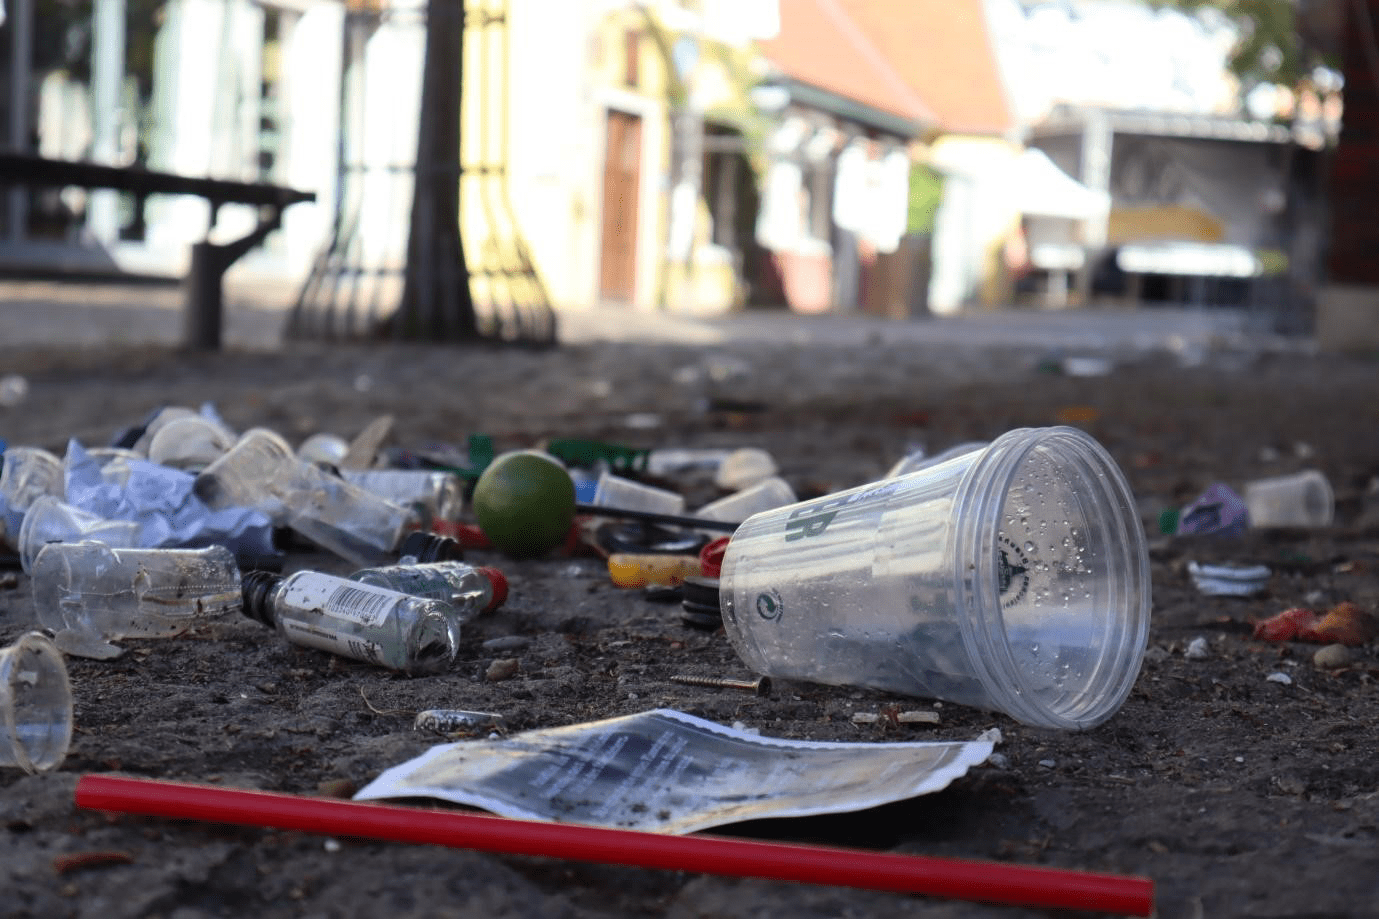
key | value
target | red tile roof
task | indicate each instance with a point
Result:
(930, 61)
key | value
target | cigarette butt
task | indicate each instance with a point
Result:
(919, 717)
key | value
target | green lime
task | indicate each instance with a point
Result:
(525, 502)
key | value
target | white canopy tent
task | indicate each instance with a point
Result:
(1040, 189)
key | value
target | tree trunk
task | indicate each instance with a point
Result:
(436, 303)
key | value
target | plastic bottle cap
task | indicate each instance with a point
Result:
(711, 556)
(500, 587)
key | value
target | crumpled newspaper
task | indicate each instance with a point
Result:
(669, 772)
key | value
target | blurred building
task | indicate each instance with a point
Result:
(893, 157)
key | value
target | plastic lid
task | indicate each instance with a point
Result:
(500, 587)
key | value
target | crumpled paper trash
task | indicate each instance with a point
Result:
(161, 501)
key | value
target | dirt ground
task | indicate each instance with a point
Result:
(1237, 794)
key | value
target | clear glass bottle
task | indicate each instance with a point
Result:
(356, 620)
(90, 593)
(470, 591)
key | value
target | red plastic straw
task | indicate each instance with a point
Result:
(957, 879)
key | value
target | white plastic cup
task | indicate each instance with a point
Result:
(1303, 499)
(1013, 579)
(35, 704)
(738, 506)
(615, 491)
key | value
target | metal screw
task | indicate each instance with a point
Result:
(760, 686)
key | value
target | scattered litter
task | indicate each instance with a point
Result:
(1218, 510)
(990, 735)
(917, 717)
(865, 717)
(1197, 649)
(454, 720)
(1345, 623)
(1279, 677)
(1302, 499)
(667, 771)
(1229, 580)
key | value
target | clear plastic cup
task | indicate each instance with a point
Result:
(1013, 579)
(1303, 499)
(51, 520)
(35, 704)
(615, 491)
(26, 474)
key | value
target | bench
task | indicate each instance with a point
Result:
(204, 284)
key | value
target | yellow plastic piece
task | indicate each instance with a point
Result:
(632, 570)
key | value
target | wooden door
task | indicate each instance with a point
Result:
(621, 170)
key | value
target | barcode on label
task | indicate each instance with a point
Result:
(367, 607)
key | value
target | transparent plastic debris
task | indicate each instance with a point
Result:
(437, 496)
(26, 474)
(90, 594)
(190, 443)
(262, 473)
(1013, 579)
(917, 459)
(52, 520)
(35, 704)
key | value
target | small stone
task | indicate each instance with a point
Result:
(1048, 763)
(331, 845)
(1196, 649)
(505, 668)
(9, 581)
(865, 717)
(1333, 657)
(999, 760)
(1279, 677)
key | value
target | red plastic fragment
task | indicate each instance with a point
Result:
(1345, 623)
(1286, 625)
